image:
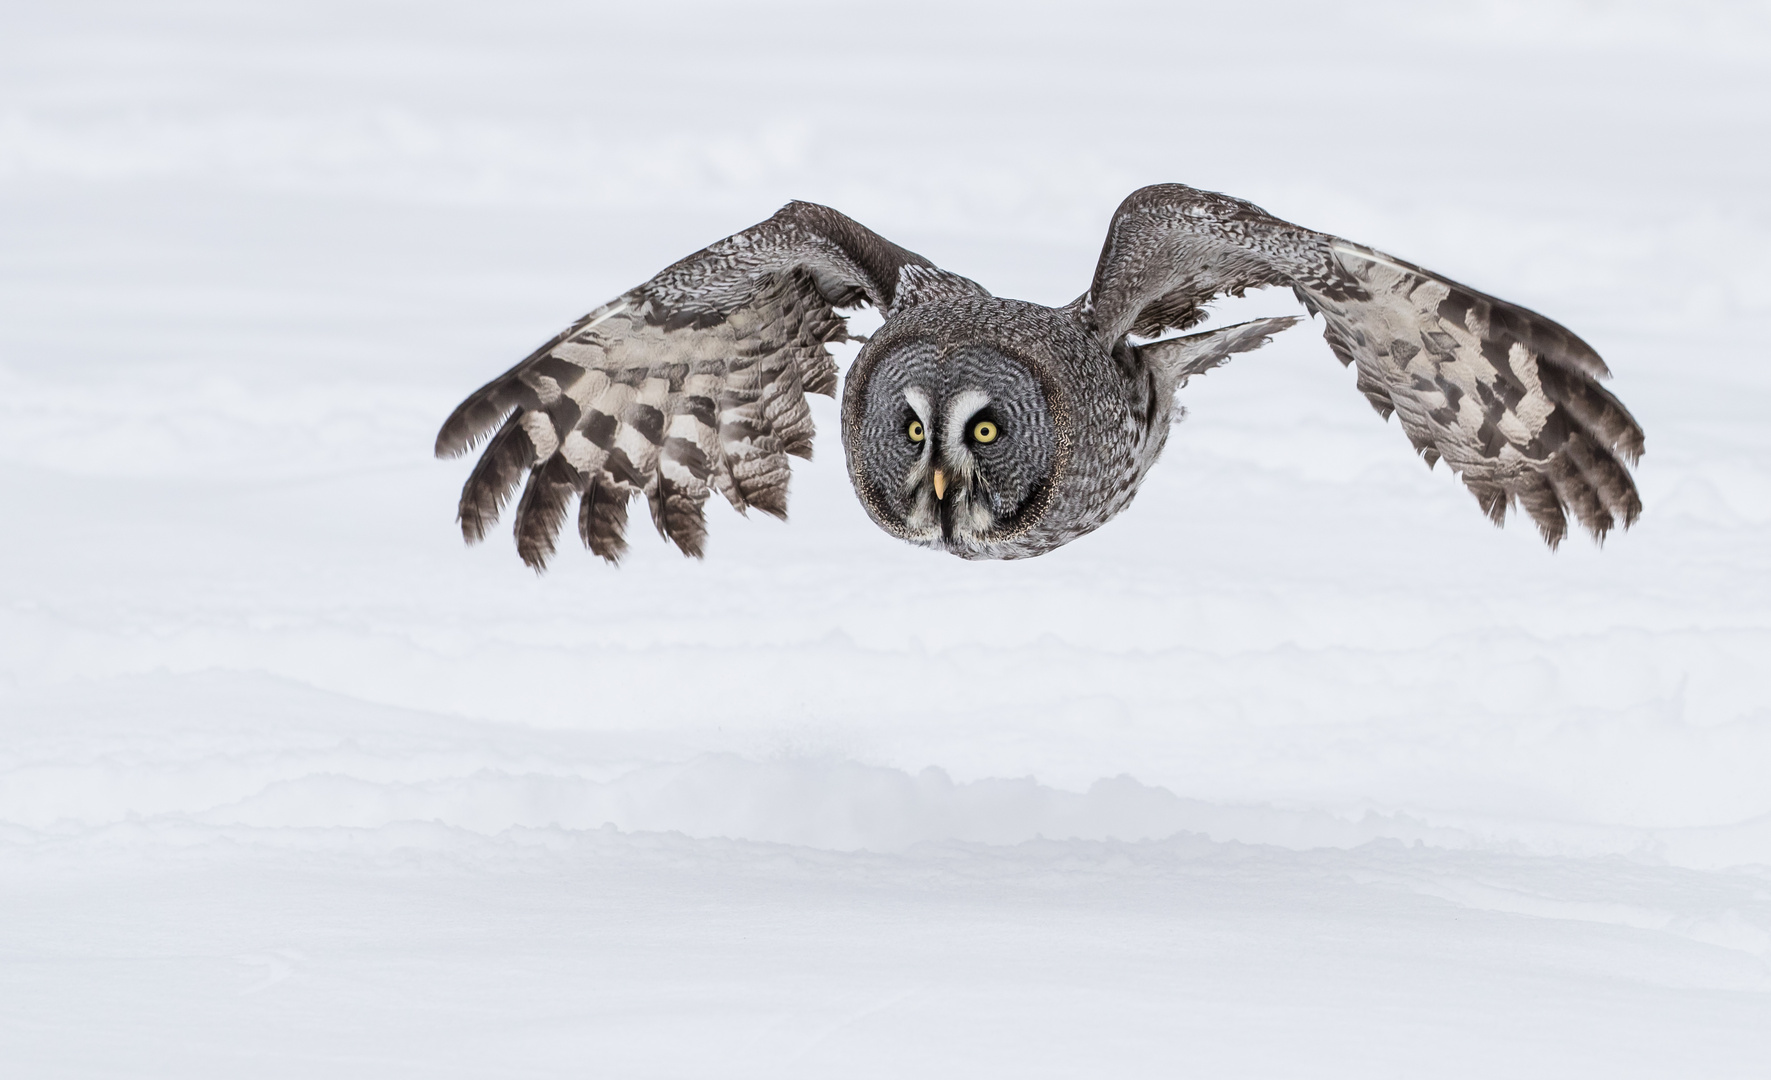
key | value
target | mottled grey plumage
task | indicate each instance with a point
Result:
(996, 428)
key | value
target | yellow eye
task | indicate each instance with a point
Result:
(984, 431)
(916, 431)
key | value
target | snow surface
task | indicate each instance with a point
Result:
(1297, 769)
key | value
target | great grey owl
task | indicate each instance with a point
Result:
(1000, 429)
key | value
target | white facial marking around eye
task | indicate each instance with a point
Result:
(921, 516)
(960, 410)
(918, 400)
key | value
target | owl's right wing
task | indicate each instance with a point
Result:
(1508, 398)
(692, 382)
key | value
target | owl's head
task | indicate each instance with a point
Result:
(960, 425)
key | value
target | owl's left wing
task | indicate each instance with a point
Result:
(1507, 397)
(692, 382)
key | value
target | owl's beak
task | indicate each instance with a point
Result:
(940, 485)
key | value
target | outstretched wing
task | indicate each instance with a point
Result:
(692, 382)
(1507, 397)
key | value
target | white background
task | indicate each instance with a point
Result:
(1297, 768)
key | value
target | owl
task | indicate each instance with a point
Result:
(992, 428)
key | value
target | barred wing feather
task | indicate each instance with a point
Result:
(690, 383)
(1508, 398)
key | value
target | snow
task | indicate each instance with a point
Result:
(1298, 768)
